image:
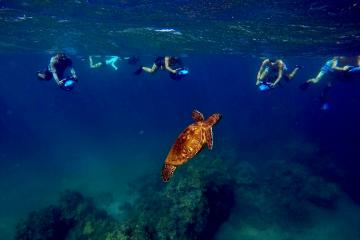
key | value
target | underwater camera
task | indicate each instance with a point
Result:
(180, 74)
(69, 83)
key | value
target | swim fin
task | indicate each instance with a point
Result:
(325, 106)
(304, 86)
(41, 76)
(133, 60)
(138, 71)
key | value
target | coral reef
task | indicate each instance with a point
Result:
(194, 205)
(283, 192)
(48, 223)
(292, 182)
(75, 217)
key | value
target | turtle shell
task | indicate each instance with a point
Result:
(188, 144)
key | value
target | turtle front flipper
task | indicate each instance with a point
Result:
(197, 116)
(213, 119)
(209, 138)
(167, 172)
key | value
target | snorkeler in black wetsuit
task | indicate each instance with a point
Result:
(56, 69)
(167, 63)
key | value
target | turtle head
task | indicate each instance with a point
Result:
(167, 172)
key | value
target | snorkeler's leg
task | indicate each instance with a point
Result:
(41, 76)
(325, 96)
(114, 66)
(92, 65)
(90, 61)
(318, 77)
(294, 72)
(263, 75)
(112, 62)
(150, 70)
(304, 86)
(44, 75)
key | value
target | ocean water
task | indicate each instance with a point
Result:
(281, 168)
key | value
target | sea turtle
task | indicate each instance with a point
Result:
(190, 142)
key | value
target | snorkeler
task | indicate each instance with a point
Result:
(356, 68)
(331, 66)
(56, 69)
(331, 70)
(167, 63)
(271, 72)
(111, 61)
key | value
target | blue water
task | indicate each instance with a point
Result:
(281, 167)
(114, 127)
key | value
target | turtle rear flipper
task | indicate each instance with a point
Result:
(209, 138)
(197, 116)
(167, 172)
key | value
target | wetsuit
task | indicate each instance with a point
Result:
(328, 67)
(341, 76)
(57, 67)
(273, 73)
(160, 62)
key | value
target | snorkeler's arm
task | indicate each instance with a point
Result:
(53, 71)
(91, 62)
(167, 65)
(73, 73)
(56, 78)
(261, 70)
(279, 76)
(336, 68)
(259, 73)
